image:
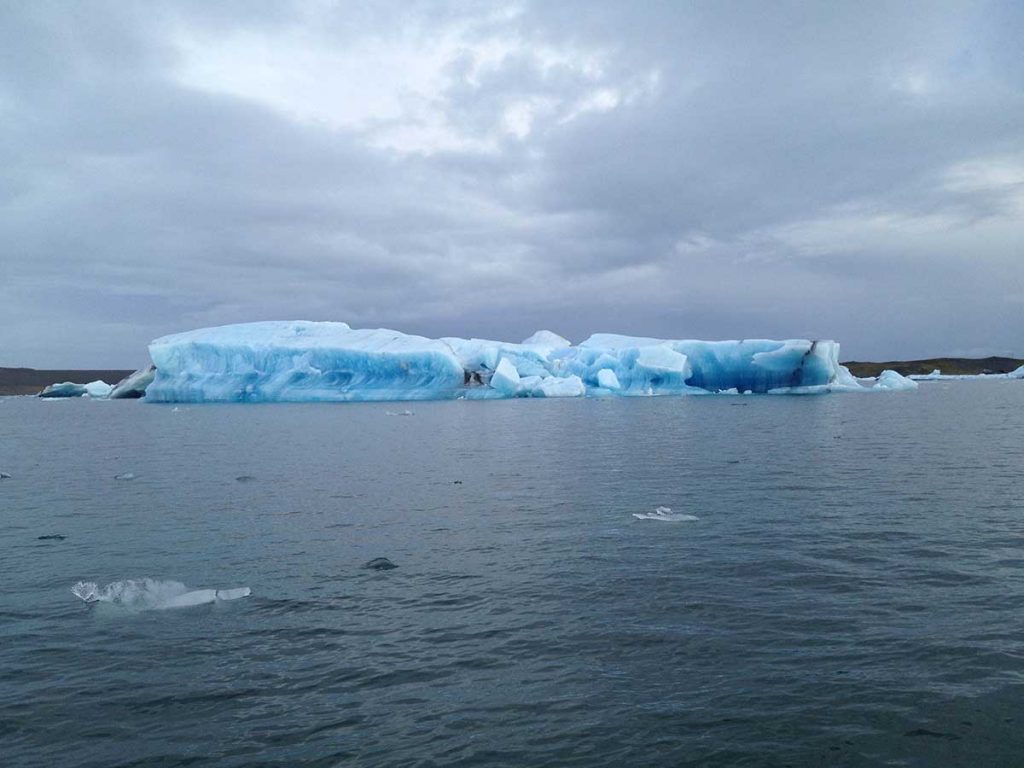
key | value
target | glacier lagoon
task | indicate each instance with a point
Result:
(849, 594)
(302, 361)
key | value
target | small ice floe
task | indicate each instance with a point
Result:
(152, 594)
(125, 476)
(398, 413)
(5, 476)
(380, 564)
(665, 514)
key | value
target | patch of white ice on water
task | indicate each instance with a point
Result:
(153, 594)
(665, 514)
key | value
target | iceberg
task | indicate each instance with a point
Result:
(64, 389)
(295, 361)
(96, 389)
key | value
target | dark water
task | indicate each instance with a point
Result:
(852, 593)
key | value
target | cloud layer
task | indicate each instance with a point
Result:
(723, 170)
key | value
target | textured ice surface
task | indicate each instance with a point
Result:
(645, 366)
(301, 361)
(135, 385)
(296, 361)
(152, 594)
(96, 389)
(64, 389)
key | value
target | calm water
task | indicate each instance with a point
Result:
(851, 594)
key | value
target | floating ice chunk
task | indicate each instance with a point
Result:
(64, 389)
(890, 380)
(1017, 373)
(5, 476)
(151, 594)
(665, 514)
(135, 385)
(125, 476)
(98, 389)
(506, 378)
(606, 378)
(398, 413)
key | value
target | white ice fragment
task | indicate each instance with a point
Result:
(506, 378)
(98, 389)
(153, 594)
(891, 380)
(398, 413)
(664, 514)
(606, 378)
(125, 476)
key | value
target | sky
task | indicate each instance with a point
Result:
(714, 170)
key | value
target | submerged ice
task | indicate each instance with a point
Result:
(324, 361)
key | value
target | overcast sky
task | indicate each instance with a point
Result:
(689, 170)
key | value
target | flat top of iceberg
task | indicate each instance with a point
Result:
(303, 334)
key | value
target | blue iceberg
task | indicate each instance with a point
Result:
(330, 361)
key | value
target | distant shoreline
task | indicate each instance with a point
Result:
(31, 381)
(956, 366)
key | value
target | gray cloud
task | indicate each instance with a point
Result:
(720, 171)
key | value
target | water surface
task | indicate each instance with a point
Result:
(850, 594)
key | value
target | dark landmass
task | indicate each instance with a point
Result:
(29, 381)
(957, 366)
